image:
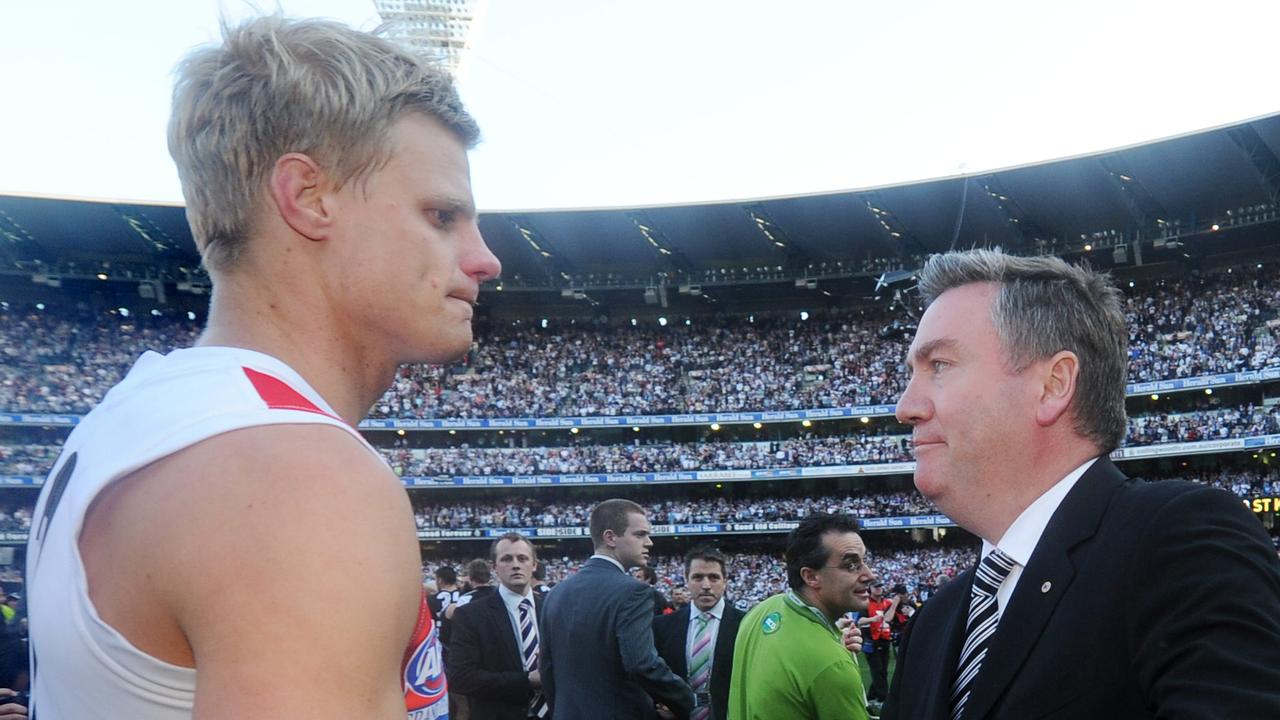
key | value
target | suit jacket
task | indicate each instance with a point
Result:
(1141, 600)
(485, 663)
(598, 659)
(671, 635)
(446, 623)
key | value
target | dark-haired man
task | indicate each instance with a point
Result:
(540, 585)
(477, 587)
(598, 657)
(446, 593)
(697, 640)
(479, 584)
(439, 603)
(1016, 399)
(791, 660)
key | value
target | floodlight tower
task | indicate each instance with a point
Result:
(436, 29)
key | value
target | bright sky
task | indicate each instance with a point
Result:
(589, 103)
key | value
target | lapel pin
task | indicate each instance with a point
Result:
(1046, 586)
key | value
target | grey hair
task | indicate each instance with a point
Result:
(1045, 305)
(276, 86)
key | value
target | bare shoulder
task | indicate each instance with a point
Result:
(285, 471)
(250, 486)
(239, 550)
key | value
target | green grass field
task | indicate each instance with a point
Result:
(866, 669)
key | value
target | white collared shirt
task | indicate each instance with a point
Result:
(610, 559)
(717, 614)
(512, 601)
(1023, 535)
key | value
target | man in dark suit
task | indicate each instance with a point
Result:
(1097, 595)
(494, 655)
(709, 621)
(598, 659)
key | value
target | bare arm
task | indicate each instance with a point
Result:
(287, 557)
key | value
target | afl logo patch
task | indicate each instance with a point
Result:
(771, 623)
(424, 681)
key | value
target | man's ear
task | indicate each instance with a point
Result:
(300, 192)
(812, 578)
(610, 538)
(1061, 375)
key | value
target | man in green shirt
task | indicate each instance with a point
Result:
(790, 660)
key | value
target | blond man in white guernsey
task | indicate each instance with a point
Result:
(206, 518)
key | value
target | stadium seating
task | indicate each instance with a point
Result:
(1225, 321)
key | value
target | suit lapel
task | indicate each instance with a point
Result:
(954, 613)
(501, 620)
(680, 642)
(1044, 581)
(725, 637)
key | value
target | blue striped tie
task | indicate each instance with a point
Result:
(529, 649)
(984, 615)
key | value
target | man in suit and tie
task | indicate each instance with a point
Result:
(697, 640)
(494, 655)
(1097, 595)
(598, 658)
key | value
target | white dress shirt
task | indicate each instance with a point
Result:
(1023, 535)
(512, 601)
(713, 623)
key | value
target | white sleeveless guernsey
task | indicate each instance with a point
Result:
(82, 668)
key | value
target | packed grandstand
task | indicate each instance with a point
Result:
(63, 361)
(731, 393)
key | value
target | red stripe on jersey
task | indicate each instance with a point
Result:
(425, 685)
(279, 396)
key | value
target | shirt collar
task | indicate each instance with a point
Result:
(511, 599)
(716, 612)
(1020, 539)
(610, 559)
(808, 610)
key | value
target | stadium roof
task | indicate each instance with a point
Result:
(1187, 181)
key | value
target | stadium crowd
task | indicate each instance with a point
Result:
(796, 452)
(755, 576)
(527, 512)
(520, 511)
(436, 511)
(1220, 323)
(807, 451)
(658, 457)
(731, 364)
(1223, 321)
(64, 362)
(28, 459)
(15, 516)
(1200, 425)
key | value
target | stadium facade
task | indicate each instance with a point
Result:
(1195, 217)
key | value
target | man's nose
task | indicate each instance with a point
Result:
(912, 407)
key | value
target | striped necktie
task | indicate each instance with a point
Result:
(700, 664)
(984, 615)
(529, 650)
